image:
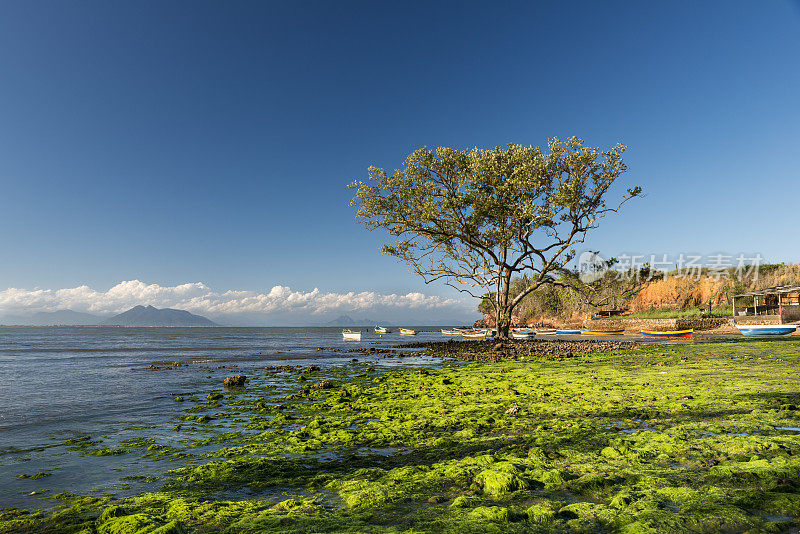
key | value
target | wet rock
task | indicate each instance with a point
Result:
(544, 512)
(436, 499)
(552, 478)
(465, 501)
(325, 384)
(234, 381)
(498, 483)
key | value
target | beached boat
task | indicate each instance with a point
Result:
(547, 332)
(381, 330)
(475, 334)
(451, 332)
(522, 334)
(568, 331)
(351, 335)
(407, 332)
(603, 332)
(668, 333)
(758, 330)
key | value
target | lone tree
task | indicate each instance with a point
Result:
(476, 218)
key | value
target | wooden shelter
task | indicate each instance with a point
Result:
(781, 303)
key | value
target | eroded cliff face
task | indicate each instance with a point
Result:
(676, 293)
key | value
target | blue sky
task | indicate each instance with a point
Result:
(186, 142)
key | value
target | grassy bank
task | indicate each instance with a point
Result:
(684, 438)
(720, 311)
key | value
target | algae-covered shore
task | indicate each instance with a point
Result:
(622, 438)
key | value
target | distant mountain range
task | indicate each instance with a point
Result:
(151, 316)
(54, 318)
(136, 316)
(143, 316)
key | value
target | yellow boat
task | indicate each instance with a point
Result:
(668, 333)
(407, 332)
(603, 332)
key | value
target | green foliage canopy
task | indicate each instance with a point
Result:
(475, 218)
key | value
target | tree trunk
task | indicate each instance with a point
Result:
(503, 322)
(503, 317)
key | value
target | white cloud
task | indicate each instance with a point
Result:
(199, 298)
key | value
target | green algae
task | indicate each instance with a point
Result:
(35, 476)
(679, 439)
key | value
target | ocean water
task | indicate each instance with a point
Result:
(114, 384)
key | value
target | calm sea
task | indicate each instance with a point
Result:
(65, 383)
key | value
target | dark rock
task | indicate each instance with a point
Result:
(325, 384)
(234, 381)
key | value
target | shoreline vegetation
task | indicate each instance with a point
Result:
(584, 436)
(657, 295)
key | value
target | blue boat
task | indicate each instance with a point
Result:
(758, 330)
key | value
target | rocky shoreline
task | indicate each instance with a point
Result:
(548, 349)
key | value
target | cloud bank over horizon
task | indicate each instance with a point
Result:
(280, 304)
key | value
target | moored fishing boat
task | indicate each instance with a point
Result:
(407, 332)
(351, 335)
(588, 332)
(568, 331)
(758, 330)
(547, 331)
(668, 333)
(381, 330)
(454, 332)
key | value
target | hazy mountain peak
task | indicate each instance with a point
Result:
(152, 316)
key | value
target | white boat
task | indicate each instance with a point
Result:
(547, 332)
(568, 331)
(381, 330)
(475, 334)
(451, 332)
(758, 330)
(350, 335)
(522, 334)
